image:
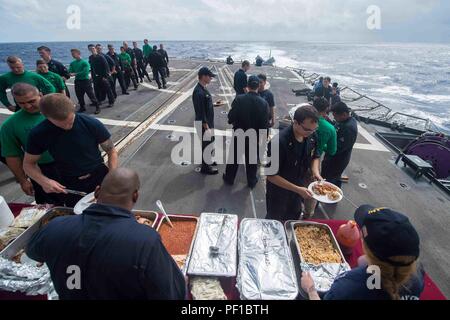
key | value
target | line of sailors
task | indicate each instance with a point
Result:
(311, 137)
(60, 151)
(96, 78)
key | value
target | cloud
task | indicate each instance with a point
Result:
(324, 20)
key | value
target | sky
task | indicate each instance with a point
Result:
(225, 20)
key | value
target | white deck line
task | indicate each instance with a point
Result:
(146, 85)
(108, 122)
(374, 144)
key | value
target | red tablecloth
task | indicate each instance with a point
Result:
(431, 292)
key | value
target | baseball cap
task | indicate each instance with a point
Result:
(388, 233)
(205, 71)
(253, 82)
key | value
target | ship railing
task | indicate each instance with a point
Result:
(368, 109)
(410, 121)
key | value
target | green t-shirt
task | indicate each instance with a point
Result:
(147, 49)
(125, 59)
(327, 137)
(55, 79)
(14, 135)
(8, 80)
(81, 68)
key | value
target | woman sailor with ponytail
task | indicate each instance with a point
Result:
(391, 245)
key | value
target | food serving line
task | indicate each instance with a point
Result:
(225, 258)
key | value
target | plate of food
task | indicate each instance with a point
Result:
(326, 192)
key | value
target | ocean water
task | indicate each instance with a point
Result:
(411, 78)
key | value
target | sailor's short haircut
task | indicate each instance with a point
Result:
(56, 106)
(155, 47)
(335, 85)
(306, 112)
(98, 45)
(327, 78)
(40, 61)
(91, 46)
(340, 108)
(262, 77)
(13, 59)
(321, 104)
(245, 63)
(45, 48)
(122, 48)
(75, 50)
(110, 46)
(21, 89)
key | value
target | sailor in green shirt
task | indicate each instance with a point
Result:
(81, 69)
(54, 78)
(18, 74)
(327, 143)
(125, 60)
(14, 137)
(326, 132)
(147, 49)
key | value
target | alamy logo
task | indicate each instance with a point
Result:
(74, 280)
(74, 19)
(374, 281)
(374, 19)
(251, 142)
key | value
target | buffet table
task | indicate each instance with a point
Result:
(431, 291)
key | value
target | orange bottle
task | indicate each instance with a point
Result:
(348, 237)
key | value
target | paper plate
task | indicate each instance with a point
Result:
(84, 203)
(325, 199)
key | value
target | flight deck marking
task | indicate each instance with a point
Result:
(373, 145)
(145, 125)
(150, 103)
(105, 121)
(161, 90)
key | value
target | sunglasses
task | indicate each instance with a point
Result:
(306, 129)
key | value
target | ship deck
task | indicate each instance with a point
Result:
(146, 126)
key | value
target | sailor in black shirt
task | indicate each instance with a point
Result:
(347, 132)
(240, 79)
(118, 258)
(158, 66)
(267, 95)
(204, 113)
(248, 115)
(140, 62)
(101, 74)
(165, 56)
(54, 65)
(118, 74)
(112, 67)
(298, 158)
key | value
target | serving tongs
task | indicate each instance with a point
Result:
(160, 206)
(215, 250)
(77, 193)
